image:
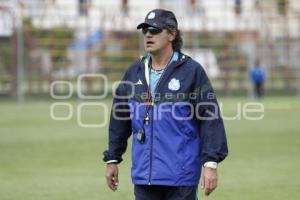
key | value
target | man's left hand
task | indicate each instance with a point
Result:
(209, 180)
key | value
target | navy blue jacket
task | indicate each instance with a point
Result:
(184, 131)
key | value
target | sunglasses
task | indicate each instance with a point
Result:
(152, 30)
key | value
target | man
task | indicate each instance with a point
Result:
(168, 105)
(258, 77)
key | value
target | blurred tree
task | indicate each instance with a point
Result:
(56, 40)
(282, 6)
(5, 55)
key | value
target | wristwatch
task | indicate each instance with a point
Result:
(212, 165)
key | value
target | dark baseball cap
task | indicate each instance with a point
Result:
(159, 18)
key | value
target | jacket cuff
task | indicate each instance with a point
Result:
(211, 164)
(112, 162)
(109, 158)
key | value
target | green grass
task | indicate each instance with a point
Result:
(45, 159)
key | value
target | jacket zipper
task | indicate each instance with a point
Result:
(151, 140)
(151, 148)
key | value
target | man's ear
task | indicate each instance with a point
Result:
(172, 35)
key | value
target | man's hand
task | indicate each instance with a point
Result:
(209, 180)
(111, 175)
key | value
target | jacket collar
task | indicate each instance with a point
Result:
(169, 70)
(182, 58)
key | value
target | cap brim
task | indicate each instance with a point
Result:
(145, 25)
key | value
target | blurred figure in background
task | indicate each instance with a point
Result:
(258, 77)
(125, 8)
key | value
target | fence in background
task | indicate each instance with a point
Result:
(50, 42)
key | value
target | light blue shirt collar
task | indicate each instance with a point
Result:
(174, 58)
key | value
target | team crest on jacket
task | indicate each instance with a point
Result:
(174, 84)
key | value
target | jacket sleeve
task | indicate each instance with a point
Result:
(212, 131)
(119, 126)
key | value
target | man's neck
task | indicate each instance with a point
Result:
(161, 59)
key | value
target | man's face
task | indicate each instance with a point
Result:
(156, 39)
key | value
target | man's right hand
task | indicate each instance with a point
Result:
(111, 175)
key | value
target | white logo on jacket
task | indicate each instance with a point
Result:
(174, 84)
(139, 82)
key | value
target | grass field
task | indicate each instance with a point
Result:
(58, 160)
